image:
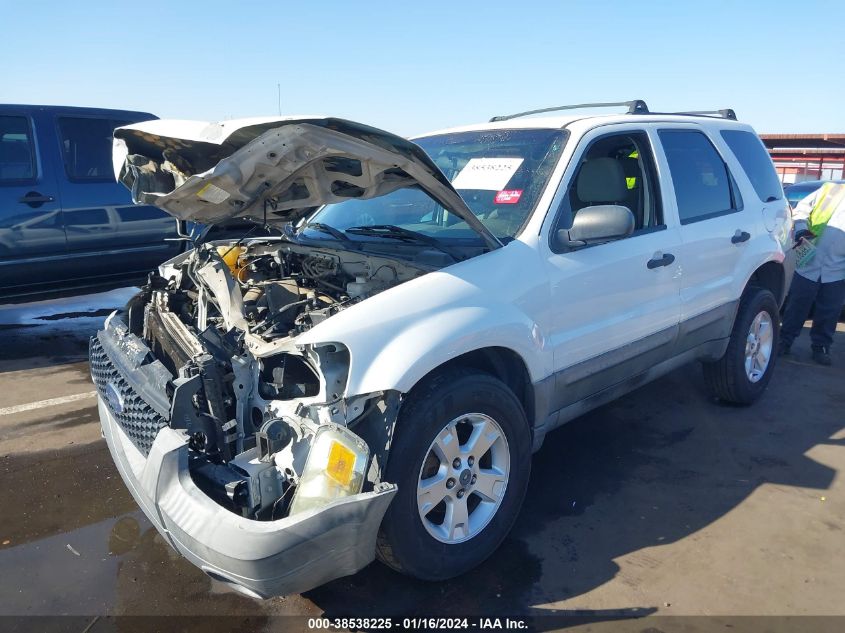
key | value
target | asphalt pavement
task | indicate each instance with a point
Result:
(663, 502)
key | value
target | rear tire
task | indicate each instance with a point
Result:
(743, 373)
(430, 532)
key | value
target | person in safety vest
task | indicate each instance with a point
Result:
(820, 270)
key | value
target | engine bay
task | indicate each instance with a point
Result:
(285, 289)
(267, 422)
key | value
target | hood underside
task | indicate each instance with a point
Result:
(276, 170)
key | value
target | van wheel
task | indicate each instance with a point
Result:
(461, 457)
(743, 373)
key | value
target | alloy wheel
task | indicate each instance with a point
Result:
(463, 478)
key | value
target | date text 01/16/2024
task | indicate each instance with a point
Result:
(418, 623)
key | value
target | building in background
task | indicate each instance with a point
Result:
(800, 157)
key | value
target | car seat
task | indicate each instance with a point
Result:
(601, 181)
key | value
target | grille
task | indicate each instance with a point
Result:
(138, 419)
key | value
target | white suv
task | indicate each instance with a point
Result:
(372, 379)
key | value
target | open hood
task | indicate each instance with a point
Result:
(274, 168)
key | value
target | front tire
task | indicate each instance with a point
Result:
(743, 373)
(461, 457)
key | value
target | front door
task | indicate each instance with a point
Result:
(615, 306)
(31, 225)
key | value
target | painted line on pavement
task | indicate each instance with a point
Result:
(52, 402)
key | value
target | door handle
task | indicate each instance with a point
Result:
(659, 260)
(740, 236)
(33, 198)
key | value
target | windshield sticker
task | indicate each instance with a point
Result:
(213, 194)
(507, 196)
(491, 174)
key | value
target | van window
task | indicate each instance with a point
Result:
(141, 214)
(17, 155)
(699, 176)
(87, 147)
(87, 217)
(752, 155)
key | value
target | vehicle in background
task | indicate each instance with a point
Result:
(800, 190)
(65, 222)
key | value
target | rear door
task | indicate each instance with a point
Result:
(713, 227)
(106, 233)
(31, 226)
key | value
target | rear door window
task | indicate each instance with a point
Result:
(702, 182)
(87, 147)
(754, 159)
(17, 152)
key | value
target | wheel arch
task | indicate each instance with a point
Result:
(502, 363)
(772, 276)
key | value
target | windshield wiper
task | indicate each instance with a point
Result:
(391, 231)
(325, 228)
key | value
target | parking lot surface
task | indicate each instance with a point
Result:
(663, 502)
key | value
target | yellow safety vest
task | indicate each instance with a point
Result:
(831, 196)
(631, 181)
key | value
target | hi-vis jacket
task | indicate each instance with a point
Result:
(823, 213)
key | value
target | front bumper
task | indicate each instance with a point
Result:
(258, 558)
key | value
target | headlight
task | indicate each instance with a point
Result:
(334, 469)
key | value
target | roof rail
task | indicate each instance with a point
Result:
(637, 106)
(726, 113)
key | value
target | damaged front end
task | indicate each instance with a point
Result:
(242, 446)
(239, 444)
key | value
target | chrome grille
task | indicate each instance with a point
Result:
(137, 418)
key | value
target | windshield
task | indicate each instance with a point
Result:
(499, 173)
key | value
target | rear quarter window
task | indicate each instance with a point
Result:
(754, 159)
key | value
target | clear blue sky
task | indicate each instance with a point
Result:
(411, 67)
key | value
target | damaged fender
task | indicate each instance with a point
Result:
(400, 335)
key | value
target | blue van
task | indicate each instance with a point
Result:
(64, 221)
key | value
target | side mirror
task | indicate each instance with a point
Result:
(597, 224)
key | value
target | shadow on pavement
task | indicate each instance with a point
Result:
(39, 346)
(652, 468)
(45, 333)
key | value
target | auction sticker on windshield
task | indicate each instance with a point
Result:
(507, 196)
(487, 173)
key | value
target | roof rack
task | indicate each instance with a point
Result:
(726, 113)
(637, 106)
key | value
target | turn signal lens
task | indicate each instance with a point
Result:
(341, 463)
(334, 469)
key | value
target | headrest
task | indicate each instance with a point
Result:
(601, 180)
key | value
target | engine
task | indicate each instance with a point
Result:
(223, 319)
(283, 290)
